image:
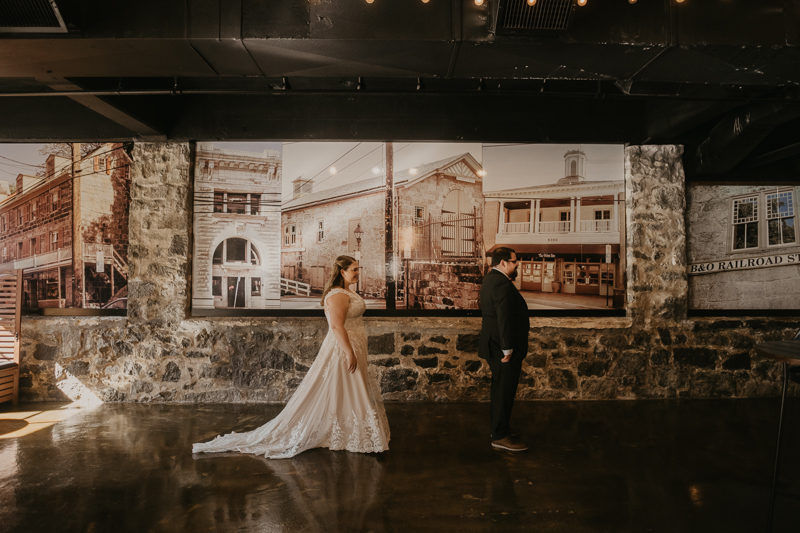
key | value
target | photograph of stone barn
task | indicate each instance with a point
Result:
(67, 228)
(236, 228)
(568, 231)
(319, 225)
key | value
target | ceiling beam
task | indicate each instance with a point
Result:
(141, 130)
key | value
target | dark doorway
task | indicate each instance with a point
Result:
(235, 292)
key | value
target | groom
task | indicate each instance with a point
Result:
(503, 342)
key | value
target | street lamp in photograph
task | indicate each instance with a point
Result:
(358, 232)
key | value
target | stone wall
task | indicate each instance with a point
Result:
(159, 354)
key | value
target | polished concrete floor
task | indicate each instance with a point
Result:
(672, 466)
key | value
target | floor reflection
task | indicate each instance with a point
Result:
(330, 491)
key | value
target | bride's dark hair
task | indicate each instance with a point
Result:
(342, 262)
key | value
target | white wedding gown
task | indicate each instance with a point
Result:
(331, 408)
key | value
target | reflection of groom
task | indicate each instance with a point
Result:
(503, 342)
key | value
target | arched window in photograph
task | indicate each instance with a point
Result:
(235, 250)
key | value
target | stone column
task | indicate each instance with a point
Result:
(577, 215)
(536, 216)
(502, 228)
(160, 227)
(655, 189)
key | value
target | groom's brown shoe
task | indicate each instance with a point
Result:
(509, 444)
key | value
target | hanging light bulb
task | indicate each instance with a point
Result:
(332, 170)
(581, 2)
(478, 2)
(531, 2)
(370, 1)
(425, 1)
(631, 1)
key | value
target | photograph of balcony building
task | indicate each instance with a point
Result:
(435, 231)
(237, 226)
(66, 226)
(567, 230)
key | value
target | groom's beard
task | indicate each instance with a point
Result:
(513, 275)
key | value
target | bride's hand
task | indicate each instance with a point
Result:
(352, 362)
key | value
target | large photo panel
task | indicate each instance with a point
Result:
(64, 222)
(743, 247)
(422, 219)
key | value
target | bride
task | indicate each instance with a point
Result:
(337, 405)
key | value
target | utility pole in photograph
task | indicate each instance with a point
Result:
(391, 288)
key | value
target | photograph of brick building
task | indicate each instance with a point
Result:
(743, 246)
(434, 234)
(567, 230)
(236, 228)
(67, 229)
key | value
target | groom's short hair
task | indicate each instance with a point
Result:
(503, 253)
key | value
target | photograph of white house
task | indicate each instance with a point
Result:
(561, 208)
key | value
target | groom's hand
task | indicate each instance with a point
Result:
(506, 358)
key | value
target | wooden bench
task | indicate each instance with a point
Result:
(10, 307)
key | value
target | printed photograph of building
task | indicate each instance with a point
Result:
(743, 247)
(435, 226)
(237, 226)
(564, 219)
(66, 226)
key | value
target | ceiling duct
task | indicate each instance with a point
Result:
(519, 17)
(30, 16)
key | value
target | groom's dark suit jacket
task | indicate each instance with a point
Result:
(505, 322)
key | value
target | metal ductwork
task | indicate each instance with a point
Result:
(519, 17)
(738, 133)
(30, 16)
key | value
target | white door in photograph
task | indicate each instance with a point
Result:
(317, 274)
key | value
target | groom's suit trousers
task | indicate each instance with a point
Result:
(505, 378)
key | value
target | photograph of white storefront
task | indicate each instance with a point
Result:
(236, 228)
(568, 235)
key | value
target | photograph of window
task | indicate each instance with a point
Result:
(743, 247)
(64, 222)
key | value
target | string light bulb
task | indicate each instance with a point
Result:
(631, 1)
(531, 3)
(478, 2)
(581, 2)
(425, 1)
(370, 1)
(332, 170)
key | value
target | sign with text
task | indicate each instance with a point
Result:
(743, 264)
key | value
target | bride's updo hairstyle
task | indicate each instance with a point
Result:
(342, 262)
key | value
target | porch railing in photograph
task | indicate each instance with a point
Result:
(595, 226)
(10, 316)
(49, 258)
(297, 287)
(517, 227)
(449, 237)
(562, 226)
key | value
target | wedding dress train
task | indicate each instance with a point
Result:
(331, 408)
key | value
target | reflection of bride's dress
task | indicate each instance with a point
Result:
(331, 408)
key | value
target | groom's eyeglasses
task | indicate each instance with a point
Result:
(511, 261)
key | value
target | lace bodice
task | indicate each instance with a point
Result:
(354, 312)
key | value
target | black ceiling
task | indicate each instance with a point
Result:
(719, 76)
